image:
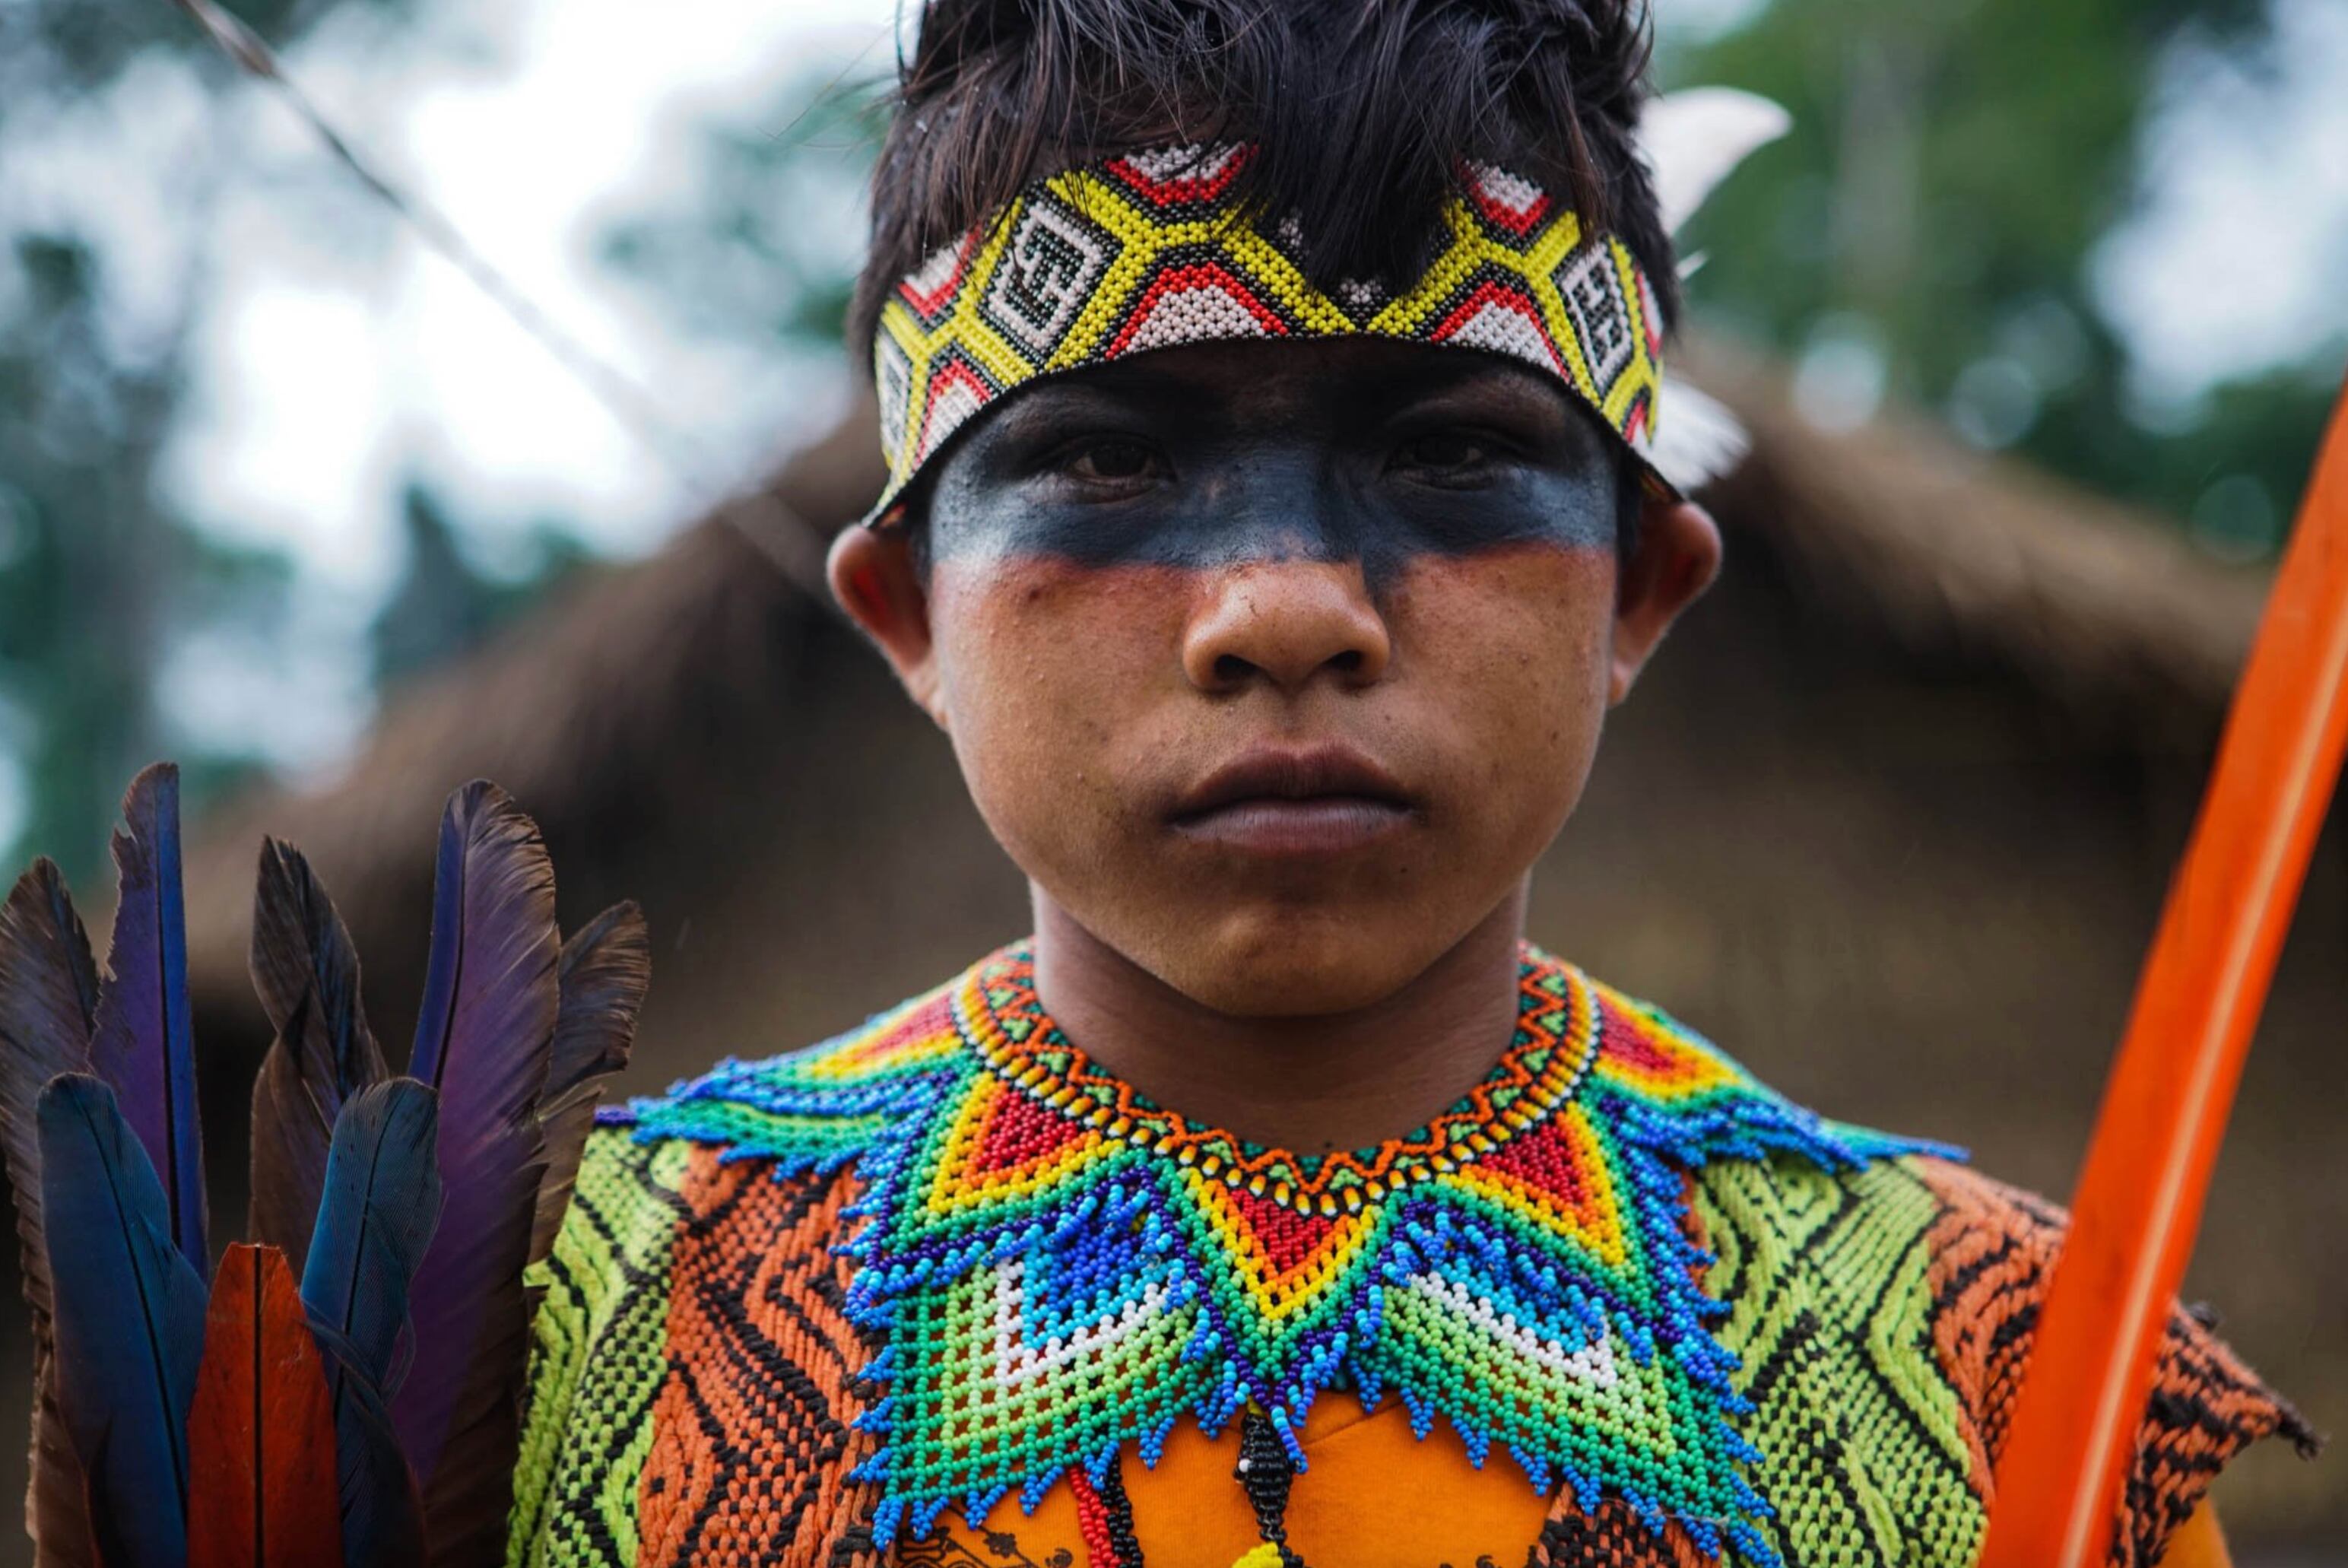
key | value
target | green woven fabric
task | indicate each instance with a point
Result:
(1862, 1445)
(599, 1358)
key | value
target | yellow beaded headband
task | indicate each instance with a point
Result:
(1151, 251)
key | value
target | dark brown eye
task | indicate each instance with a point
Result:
(1445, 452)
(1110, 460)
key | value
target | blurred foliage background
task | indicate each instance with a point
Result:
(1931, 234)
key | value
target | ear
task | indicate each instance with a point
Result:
(1677, 556)
(874, 579)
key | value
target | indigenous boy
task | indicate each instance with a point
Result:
(1270, 391)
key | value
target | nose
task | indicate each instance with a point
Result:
(1286, 623)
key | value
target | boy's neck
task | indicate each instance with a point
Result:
(1309, 1085)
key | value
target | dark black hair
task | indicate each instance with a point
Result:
(1363, 111)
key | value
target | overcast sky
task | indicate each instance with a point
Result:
(337, 354)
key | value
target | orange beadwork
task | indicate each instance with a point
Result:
(998, 1009)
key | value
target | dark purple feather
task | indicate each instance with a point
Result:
(306, 973)
(606, 966)
(144, 1044)
(490, 1001)
(48, 993)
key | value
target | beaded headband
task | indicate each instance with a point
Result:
(1152, 250)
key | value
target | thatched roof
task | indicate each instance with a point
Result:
(1949, 550)
(640, 699)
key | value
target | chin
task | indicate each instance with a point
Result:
(1286, 961)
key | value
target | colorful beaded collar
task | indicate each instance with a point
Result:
(1061, 1267)
(1157, 249)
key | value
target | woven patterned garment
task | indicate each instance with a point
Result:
(1153, 250)
(1048, 1271)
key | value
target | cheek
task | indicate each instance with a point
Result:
(1516, 643)
(1041, 664)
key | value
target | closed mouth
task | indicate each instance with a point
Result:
(1316, 799)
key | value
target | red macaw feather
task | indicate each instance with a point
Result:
(261, 1433)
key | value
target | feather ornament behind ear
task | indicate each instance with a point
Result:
(1692, 140)
(1695, 139)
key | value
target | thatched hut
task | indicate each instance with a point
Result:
(1891, 817)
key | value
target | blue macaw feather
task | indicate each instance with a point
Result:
(484, 1040)
(49, 995)
(376, 1219)
(306, 973)
(382, 1512)
(144, 1044)
(130, 1323)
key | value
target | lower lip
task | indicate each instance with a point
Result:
(1330, 825)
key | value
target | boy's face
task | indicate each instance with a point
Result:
(1275, 666)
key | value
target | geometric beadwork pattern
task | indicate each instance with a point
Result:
(1152, 249)
(753, 1426)
(1059, 1268)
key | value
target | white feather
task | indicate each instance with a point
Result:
(1693, 139)
(1697, 440)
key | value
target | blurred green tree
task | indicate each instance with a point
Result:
(1925, 231)
(96, 573)
(746, 257)
(101, 576)
(444, 604)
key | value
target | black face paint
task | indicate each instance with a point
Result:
(1213, 455)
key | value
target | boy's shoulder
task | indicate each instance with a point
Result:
(1883, 1318)
(813, 1109)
